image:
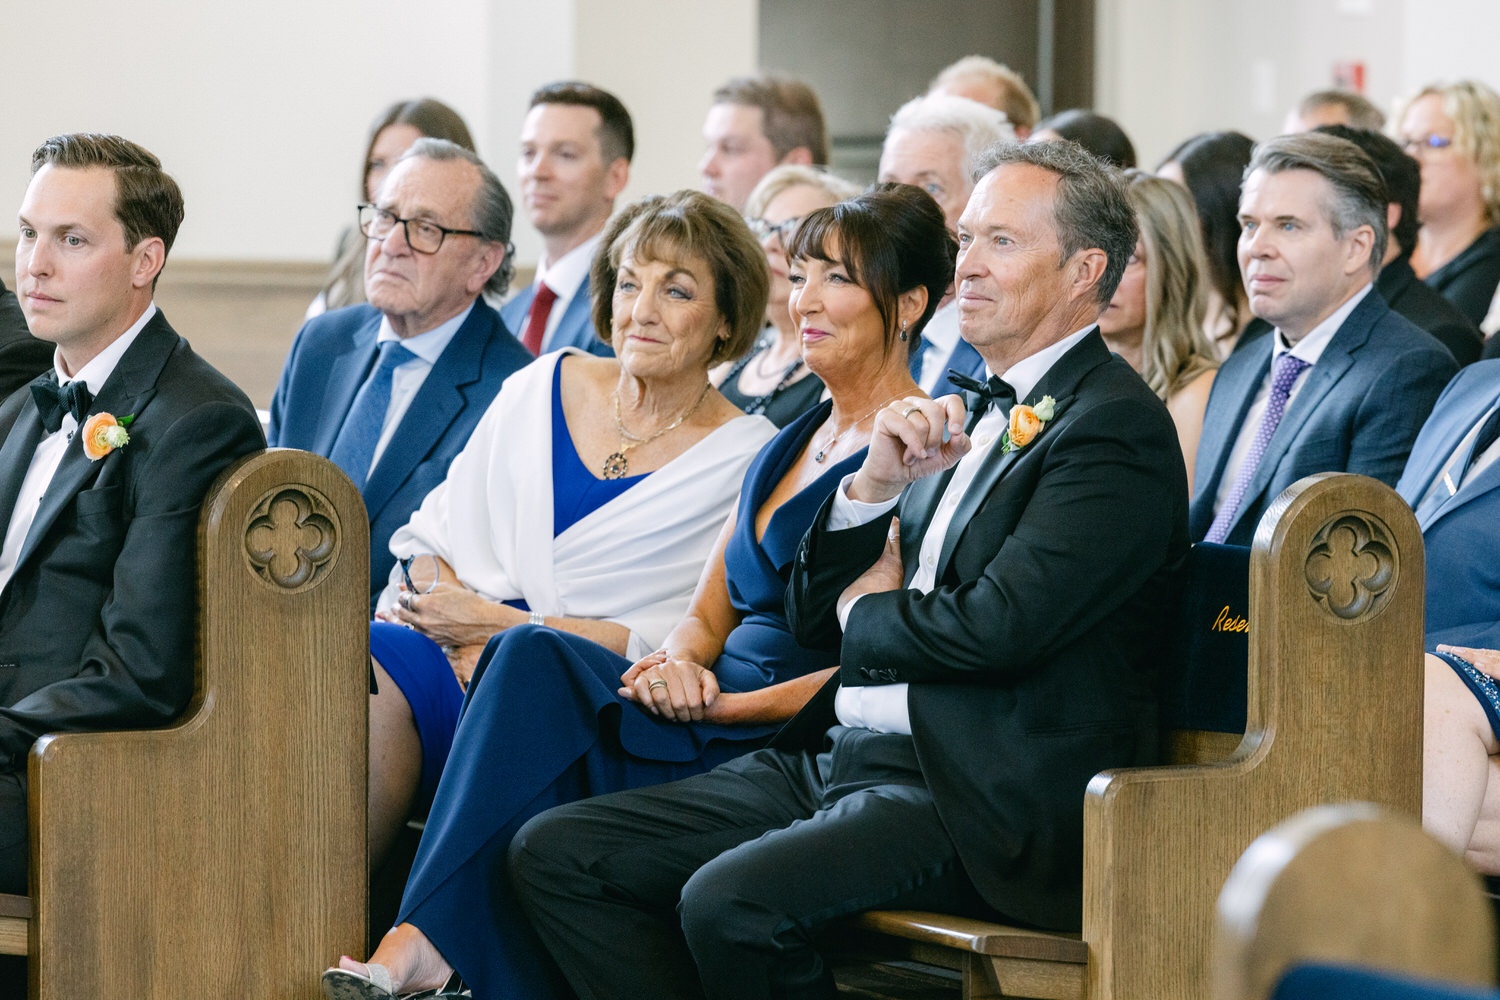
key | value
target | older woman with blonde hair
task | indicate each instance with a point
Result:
(774, 379)
(1155, 320)
(1453, 131)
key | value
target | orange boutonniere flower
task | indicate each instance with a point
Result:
(102, 434)
(1026, 422)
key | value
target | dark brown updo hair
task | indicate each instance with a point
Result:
(891, 239)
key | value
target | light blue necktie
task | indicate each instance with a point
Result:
(355, 445)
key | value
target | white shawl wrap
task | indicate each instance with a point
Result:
(634, 561)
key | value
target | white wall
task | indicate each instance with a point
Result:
(260, 110)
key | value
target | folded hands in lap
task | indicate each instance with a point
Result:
(1486, 661)
(671, 687)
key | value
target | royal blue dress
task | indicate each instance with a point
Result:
(418, 666)
(543, 725)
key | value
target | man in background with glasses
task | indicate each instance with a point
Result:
(391, 390)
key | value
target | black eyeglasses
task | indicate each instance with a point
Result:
(421, 235)
(762, 228)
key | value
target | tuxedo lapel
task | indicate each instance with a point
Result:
(434, 408)
(126, 392)
(346, 373)
(22, 436)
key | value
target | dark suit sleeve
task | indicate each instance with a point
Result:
(1391, 414)
(22, 356)
(137, 668)
(827, 562)
(1104, 509)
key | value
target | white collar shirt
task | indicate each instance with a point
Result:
(407, 377)
(564, 276)
(49, 450)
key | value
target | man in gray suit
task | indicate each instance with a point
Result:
(1343, 383)
(576, 147)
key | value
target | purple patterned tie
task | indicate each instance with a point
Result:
(1288, 367)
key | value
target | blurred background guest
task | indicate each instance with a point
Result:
(1398, 284)
(392, 134)
(1099, 135)
(590, 494)
(934, 143)
(1155, 320)
(22, 356)
(755, 123)
(982, 79)
(552, 718)
(1211, 167)
(773, 380)
(1453, 130)
(1334, 107)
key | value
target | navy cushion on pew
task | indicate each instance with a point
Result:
(1334, 982)
(1202, 677)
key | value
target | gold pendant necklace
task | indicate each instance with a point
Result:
(822, 453)
(616, 465)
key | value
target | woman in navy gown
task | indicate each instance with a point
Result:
(552, 717)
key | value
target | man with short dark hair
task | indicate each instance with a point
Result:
(104, 465)
(391, 390)
(1398, 284)
(22, 356)
(1342, 383)
(756, 123)
(576, 146)
(992, 651)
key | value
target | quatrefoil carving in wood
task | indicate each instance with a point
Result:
(1352, 566)
(292, 538)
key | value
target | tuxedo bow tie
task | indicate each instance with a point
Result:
(53, 401)
(979, 395)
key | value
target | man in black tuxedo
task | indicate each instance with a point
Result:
(991, 652)
(97, 583)
(22, 356)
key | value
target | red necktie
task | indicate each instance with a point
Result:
(536, 323)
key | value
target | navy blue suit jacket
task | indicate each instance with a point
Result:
(329, 361)
(575, 329)
(966, 361)
(1463, 577)
(1359, 410)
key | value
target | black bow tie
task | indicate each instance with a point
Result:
(53, 400)
(980, 395)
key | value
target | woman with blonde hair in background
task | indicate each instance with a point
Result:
(1155, 320)
(1453, 131)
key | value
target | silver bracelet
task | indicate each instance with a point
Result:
(537, 618)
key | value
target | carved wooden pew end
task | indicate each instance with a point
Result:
(1333, 713)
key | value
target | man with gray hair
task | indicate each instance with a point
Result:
(934, 143)
(1342, 383)
(391, 390)
(994, 652)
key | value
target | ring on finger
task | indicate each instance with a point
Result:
(658, 683)
(909, 411)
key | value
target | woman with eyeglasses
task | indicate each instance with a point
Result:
(773, 380)
(1453, 131)
(552, 718)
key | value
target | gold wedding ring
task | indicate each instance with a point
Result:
(656, 684)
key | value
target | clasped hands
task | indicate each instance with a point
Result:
(455, 618)
(1486, 661)
(671, 687)
(906, 445)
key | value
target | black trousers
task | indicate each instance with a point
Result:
(14, 844)
(717, 885)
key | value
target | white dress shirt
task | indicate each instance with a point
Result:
(407, 377)
(940, 336)
(563, 276)
(49, 451)
(1310, 349)
(883, 708)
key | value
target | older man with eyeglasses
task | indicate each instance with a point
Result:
(391, 390)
